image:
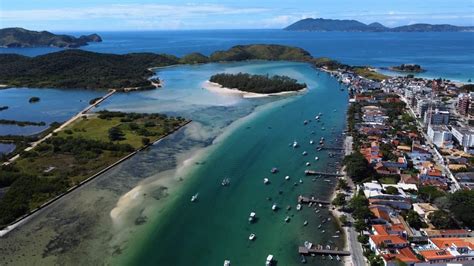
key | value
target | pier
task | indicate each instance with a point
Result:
(306, 251)
(302, 199)
(311, 172)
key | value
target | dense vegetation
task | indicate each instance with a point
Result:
(21, 123)
(72, 155)
(408, 68)
(321, 24)
(18, 37)
(257, 83)
(261, 52)
(357, 167)
(34, 99)
(461, 204)
(2, 108)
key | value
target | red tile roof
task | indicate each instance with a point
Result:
(443, 243)
(436, 254)
(403, 254)
(388, 240)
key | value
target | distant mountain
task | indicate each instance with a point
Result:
(19, 38)
(320, 24)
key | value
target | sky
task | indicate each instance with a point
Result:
(135, 15)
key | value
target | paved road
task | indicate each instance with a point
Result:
(65, 124)
(357, 254)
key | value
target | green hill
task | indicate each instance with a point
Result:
(19, 37)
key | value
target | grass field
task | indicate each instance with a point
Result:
(367, 73)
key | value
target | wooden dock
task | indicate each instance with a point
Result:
(306, 251)
(302, 199)
(311, 172)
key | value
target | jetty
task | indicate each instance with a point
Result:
(311, 172)
(308, 251)
(302, 199)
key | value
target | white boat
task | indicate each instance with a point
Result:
(301, 181)
(287, 219)
(311, 142)
(274, 207)
(274, 170)
(298, 207)
(251, 237)
(305, 122)
(305, 153)
(287, 177)
(330, 257)
(308, 164)
(305, 223)
(338, 258)
(317, 117)
(225, 182)
(252, 216)
(227, 263)
(308, 244)
(194, 197)
(266, 180)
(269, 260)
(316, 158)
(295, 144)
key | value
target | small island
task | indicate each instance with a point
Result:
(411, 68)
(3, 108)
(263, 85)
(34, 99)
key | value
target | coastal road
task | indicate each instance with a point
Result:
(357, 254)
(64, 125)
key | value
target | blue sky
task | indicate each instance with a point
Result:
(84, 15)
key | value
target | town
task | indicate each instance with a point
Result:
(410, 170)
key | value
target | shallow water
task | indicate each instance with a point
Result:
(139, 213)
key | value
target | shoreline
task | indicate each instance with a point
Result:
(217, 88)
(23, 219)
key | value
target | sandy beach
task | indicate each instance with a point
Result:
(215, 87)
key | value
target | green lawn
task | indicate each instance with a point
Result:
(388, 180)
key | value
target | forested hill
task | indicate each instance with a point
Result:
(257, 83)
(344, 25)
(19, 37)
(89, 70)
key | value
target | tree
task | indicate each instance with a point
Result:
(342, 184)
(357, 167)
(360, 225)
(429, 193)
(339, 200)
(414, 220)
(364, 239)
(461, 204)
(359, 206)
(391, 190)
(442, 220)
(343, 219)
(115, 134)
(145, 141)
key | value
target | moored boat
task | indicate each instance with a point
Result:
(194, 197)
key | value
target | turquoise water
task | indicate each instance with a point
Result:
(217, 225)
(442, 54)
(54, 106)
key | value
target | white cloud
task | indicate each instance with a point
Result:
(125, 11)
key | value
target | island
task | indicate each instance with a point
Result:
(81, 151)
(344, 25)
(23, 38)
(411, 68)
(21, 123)
(34, 99)
(3, 108)
(79, 69)
(254, 84)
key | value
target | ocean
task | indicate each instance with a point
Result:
(140, 212)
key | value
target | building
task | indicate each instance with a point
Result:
(463, 104)
(424, 209)
(464, 135)
(449, 250)
(436, 117)
(441, 136)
